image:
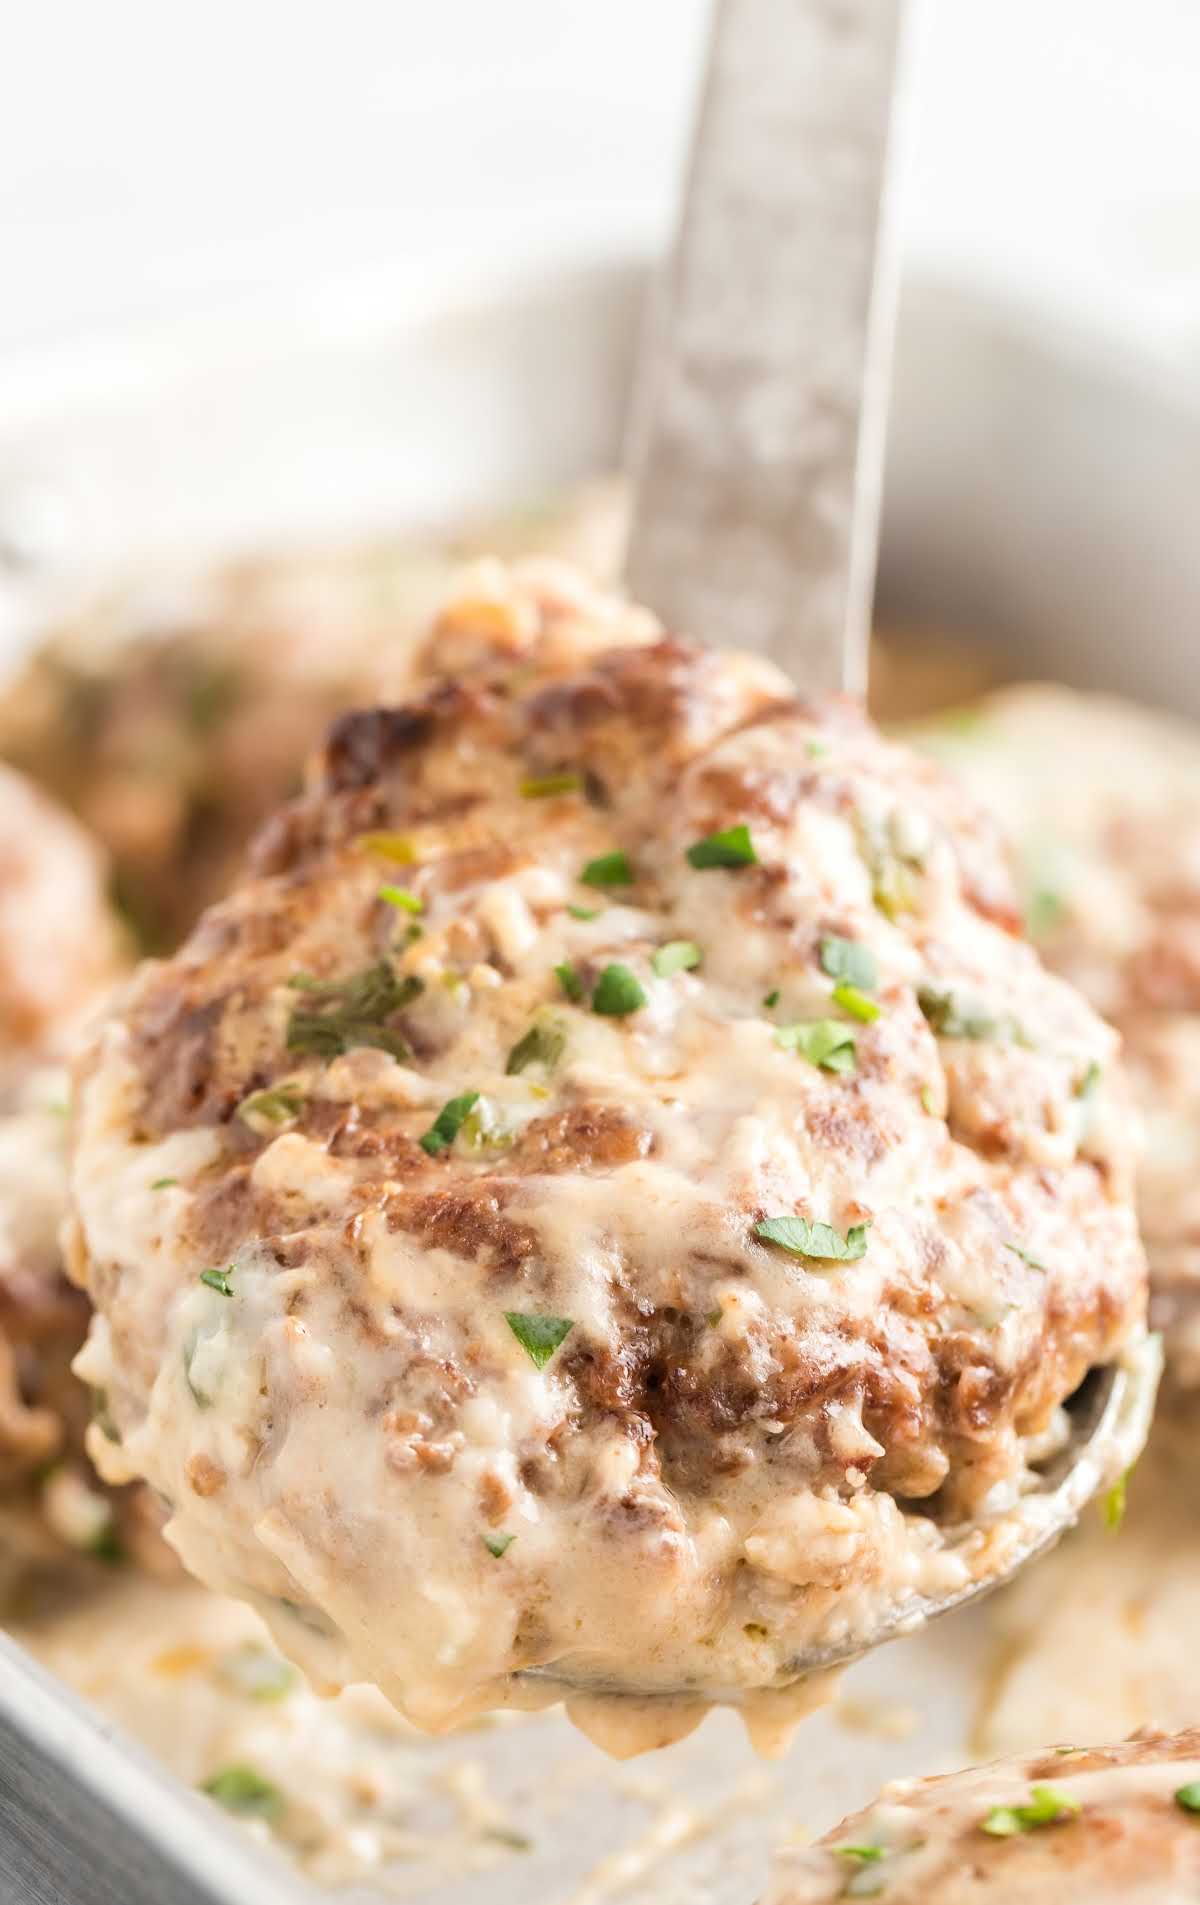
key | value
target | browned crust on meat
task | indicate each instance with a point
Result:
(210, 1028)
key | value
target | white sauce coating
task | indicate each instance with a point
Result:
(723, 1465)
(1068, 1827)
(1101, 800)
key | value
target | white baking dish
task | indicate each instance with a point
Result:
(1041, 497)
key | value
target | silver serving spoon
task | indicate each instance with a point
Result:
(758, 422)
(1109, 1419)
(758, 445)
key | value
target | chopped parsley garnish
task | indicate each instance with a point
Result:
(617, 992)
(854, 1002)
(1089, 1083)
(847, 960)
(928, 1103)
(106, 1543)
(772, 998)
(102, 1416)
(570, 981)
(351, 1012)
(163, 1183)
(543, 1044)
(1044, 912)
(1026, 1256)
(539, 1336)
(816, 749)
(542, 787)
(892, 862)
(240, 1789)
(402, 899)
(1046, 1807)
(609, 869)
(258, 1673)
(863, 1854)
(584, 912)
(1112, 1507)
(955, 1015)
(448, 1123)
(397, 847)
(278, 1105)
(822, 1041)
(804, 1239)
(678, 955)
(1187, 1798)
(731, 848)
(497, 1545)
(219, 1279)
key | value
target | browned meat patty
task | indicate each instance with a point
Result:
(612, 1193)
(1117, 1825)
(1101, 800)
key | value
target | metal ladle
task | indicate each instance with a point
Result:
(757, 445)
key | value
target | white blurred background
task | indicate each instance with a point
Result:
(256, 257)
(158, 157)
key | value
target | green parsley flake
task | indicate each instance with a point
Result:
(1112, 1507)
(504, 1835)
(854, 1002)
(240, 1789)
(731, 848)
(1046, 1807)
(816, 750)
(1089, 1083)
(102, 1416)
(862, 1854)
(1025, 1256)
(402, 899)
(258, 1673)
(163, 1183)
(823, 1042)
(584, 912)
(351, 1012)
(804, 1239)
(219, 1279)
(543, 1044)
(570, 981)
(539, 1336)
(448, 1123)
(279, 1105)
(955, 1015)
(772, 998)
(1187, 1798)
(617, 992)
(543, 787)
(610, 869)
(106, 1544)
(678, 955)
(497, 1545)
(1044, 912)
(847, 960)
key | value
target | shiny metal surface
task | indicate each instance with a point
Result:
(87, 1818)
(761, 400)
